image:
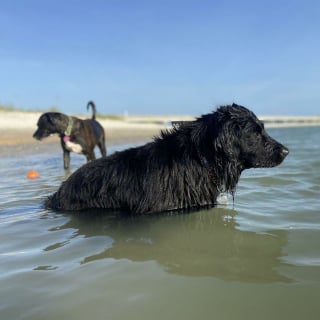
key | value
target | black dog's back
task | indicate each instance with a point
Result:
(130, 180)
(186, 167)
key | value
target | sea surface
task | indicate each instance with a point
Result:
(257, 257)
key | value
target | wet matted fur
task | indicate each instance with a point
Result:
(184, 168)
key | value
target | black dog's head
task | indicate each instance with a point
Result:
(245, 138)
(50, 123)
(237, 136)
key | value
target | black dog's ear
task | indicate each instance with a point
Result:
(227, 140)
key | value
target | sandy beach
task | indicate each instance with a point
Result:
(17, 128)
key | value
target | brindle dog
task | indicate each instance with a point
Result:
(76, 135)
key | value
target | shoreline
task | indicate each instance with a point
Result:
(17, 127)
(113, 136)
(20, 141)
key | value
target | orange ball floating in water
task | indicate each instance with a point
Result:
(33, 174)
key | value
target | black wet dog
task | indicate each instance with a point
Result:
(76, 135)
(185, 168)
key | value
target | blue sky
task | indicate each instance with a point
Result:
(162, 56)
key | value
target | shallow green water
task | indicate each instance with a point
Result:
(256, 258)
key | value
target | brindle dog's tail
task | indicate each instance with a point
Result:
(93, 106)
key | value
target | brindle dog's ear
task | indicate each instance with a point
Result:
(50, 118)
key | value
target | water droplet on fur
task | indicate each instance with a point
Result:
(222, 199)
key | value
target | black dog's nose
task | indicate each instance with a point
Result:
(284, 151)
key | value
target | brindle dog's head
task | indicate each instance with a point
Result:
(50, 123)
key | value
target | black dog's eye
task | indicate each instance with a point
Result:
(256, 134)
(258, 131)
